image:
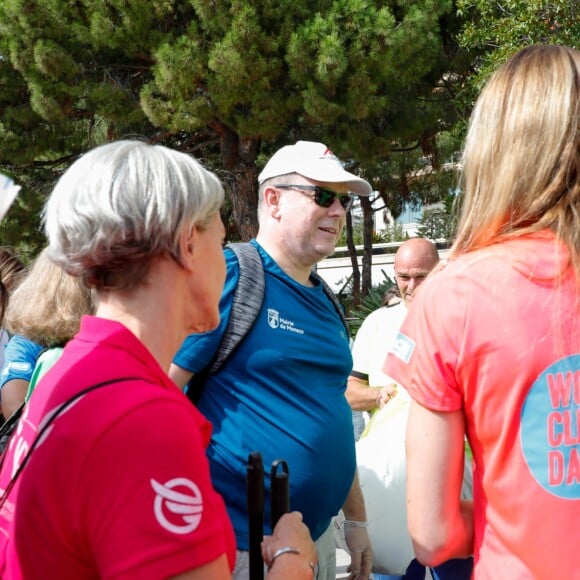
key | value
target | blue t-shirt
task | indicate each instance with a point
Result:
(19, 359)
(280, 393)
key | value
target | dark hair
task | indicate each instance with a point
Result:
(11, 268)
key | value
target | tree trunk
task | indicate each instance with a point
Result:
(367, 257)
(239, 157)
(353, 261)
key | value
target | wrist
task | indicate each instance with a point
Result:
(356, 524)
(310, 568)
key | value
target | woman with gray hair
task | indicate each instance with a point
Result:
(107, 475)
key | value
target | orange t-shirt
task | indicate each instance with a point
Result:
(497, 334)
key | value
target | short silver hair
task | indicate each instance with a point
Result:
(122, 204)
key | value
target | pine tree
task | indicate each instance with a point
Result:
(227, 81)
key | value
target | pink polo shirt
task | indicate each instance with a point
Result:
(497, 334)
(120, 486)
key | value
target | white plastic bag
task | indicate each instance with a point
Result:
(381, 465)
(380, 454)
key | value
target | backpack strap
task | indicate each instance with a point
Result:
(332, 297)
(8, 427)
(46, 422)
(247, 302)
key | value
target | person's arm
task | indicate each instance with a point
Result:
(356, 534)
(289, 553)
(20, 358)
(362, 397)
(215, 570)
(13, 393)
(440, 524)
(179, 375)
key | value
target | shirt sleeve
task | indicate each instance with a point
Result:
(198, 350)
(148, 508)
(426, 353)
(19, 359)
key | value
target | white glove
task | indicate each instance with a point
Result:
(359, 548)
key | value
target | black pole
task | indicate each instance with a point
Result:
(255, 499)
(279, 495)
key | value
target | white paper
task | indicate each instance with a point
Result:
(8, 192)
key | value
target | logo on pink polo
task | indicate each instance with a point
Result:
(178, 505)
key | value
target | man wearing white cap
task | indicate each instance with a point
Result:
(281, 391)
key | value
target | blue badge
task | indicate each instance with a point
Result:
(403, 347)
(550, 428)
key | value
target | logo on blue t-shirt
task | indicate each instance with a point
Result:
(550, 428)
(273, 318)
(277, 321)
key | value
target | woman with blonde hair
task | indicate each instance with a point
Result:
(44, 312)
(501, 365)
(108, 475)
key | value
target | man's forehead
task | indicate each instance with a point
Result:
(415, 260)
(412, 270)
(415, 265)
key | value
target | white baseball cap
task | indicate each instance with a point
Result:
(314, 161)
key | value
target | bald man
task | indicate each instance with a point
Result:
(368, 387)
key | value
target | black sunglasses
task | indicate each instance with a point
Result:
(322, 196)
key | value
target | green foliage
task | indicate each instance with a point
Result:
(392, 233)
(234, 77)
(418, 173)
(384, 82)
(493, 31)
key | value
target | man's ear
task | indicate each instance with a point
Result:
(272, 200)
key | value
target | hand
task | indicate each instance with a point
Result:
(385, 395)
(361, 552)
(289, 531)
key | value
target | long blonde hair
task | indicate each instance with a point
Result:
(521, 161)
(48, 304)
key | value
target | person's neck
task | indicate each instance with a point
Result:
(295, 269)
(152, 312)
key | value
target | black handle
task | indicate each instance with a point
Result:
(255, 499)
(279, 492)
